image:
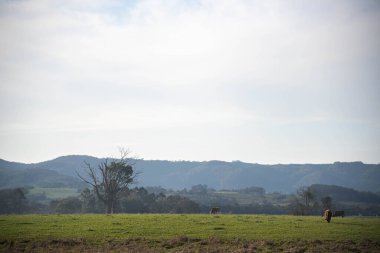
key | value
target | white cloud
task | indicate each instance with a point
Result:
(77, 66)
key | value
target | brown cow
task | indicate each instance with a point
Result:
(328, 215)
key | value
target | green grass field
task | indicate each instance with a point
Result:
(193, 232)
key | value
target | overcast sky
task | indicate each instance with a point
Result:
(256, 81)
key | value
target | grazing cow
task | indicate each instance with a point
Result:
(339, 214)
(215, 210)
(328, 215)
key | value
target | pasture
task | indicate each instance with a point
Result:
(187, 233)
(54, 193)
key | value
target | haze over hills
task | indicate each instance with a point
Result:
(184, 174)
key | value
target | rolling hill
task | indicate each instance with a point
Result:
(184, 174)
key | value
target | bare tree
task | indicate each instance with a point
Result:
(306, 199)
(110, 178)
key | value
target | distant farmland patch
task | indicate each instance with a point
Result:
(54, 193)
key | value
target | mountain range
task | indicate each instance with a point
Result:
(62, 172)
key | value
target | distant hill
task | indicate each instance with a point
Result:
(215, 174)
(342, 194)
(12, 178)
(237, 175)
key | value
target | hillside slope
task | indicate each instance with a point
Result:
(216, 174)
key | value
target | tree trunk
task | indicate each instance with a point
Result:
(110, 206)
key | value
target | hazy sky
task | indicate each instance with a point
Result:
(257, 81)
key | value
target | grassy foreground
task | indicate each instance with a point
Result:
(189, 233)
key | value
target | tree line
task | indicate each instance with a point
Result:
(136, 200)
(110, 190)
(198, 199)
